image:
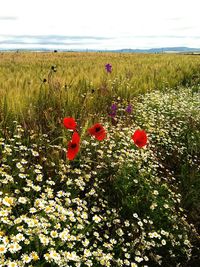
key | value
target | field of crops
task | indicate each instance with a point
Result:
(99, 166)
(41, 87)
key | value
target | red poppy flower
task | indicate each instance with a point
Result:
(140, 138)
(98, 131)
(69, 123)
(73, 146)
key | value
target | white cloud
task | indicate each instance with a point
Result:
(125, 21)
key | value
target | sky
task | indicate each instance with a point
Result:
(99, 24)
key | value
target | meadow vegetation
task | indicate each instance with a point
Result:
(115, 204)
(41, 88)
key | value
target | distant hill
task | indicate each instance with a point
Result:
(160, 50)
(129, 50)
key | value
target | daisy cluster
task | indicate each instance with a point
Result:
(172, 120)
(111, 206)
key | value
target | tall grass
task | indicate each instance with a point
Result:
(40, 88)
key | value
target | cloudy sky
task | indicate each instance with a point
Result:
(102, 24)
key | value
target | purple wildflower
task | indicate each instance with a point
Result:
(129, 109)
(113, 112)
(113, 107)
(108, 68)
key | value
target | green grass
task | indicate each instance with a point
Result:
(24, 95)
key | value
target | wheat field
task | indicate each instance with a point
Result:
(40, 88)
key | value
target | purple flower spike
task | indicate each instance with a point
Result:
(113, 112)
(129, 109)
(108, 68)
(113, 107)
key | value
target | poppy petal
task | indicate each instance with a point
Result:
(97, 131)
(100, 135)
(69, 123)
(75, 137)
(73, 146)
(140, 138)
(72, 151)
